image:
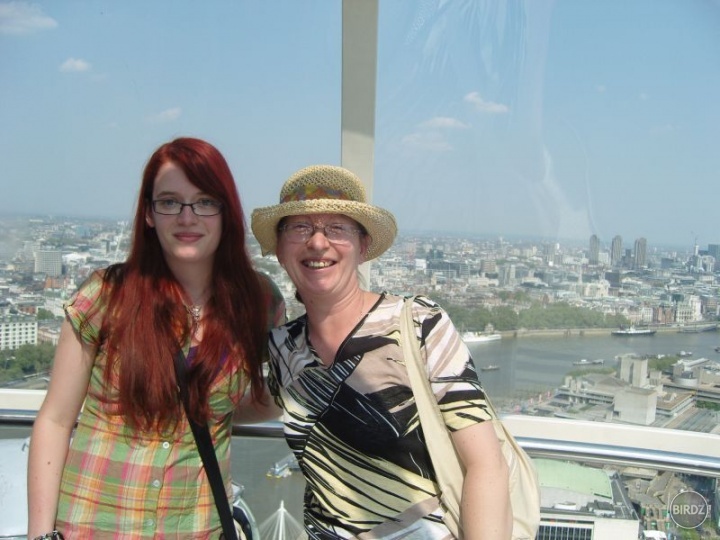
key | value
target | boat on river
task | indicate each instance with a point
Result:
(586, 362)
(692, 328)
(630, 331)
(490, 367)
(480, 337)
(284, 467)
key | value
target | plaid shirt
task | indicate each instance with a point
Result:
(121, 483)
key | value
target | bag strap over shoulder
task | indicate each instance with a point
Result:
(449, 472)
(524, 485)
(207, 453)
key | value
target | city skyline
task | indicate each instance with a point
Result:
(605, 245)
(547, 119)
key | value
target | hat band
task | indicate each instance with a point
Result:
(306, 193)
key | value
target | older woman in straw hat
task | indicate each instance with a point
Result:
(337, 371)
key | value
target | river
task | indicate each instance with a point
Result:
(538, 363)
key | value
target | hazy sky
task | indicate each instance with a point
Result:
(558, 119)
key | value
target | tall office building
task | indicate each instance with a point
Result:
(488, 266)
(616, 251)
(548, 251)
(48, 262)
(594, 256)
(640, 257)
(714, 250)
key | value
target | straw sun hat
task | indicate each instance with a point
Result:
(325, 189)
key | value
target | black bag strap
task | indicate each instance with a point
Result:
(207, 452)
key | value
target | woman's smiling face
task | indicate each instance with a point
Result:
(184, 237)
(316, 264)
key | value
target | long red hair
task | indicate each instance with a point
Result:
(146, 321)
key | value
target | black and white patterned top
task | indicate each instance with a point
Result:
(353, 426)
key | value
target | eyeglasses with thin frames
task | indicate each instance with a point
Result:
(337, 233)
(171, 207)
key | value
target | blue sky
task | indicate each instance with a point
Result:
(557, 118)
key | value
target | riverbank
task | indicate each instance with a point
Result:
(582, 332)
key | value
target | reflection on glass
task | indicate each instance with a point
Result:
(551, 165)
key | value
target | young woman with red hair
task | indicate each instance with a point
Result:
(132, 468)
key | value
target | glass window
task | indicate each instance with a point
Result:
(552, 166)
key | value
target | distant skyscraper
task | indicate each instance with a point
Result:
(511, 273)
(714, 250)
(616, 251)
(548, 252)
(594, 256)
(640, 257)
(488, 266)
(48, 262)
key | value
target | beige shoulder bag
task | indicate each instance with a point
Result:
(524, 486)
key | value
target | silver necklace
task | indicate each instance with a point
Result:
(362, 307)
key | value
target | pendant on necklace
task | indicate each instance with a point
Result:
(194, 312)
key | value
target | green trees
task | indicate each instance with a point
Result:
(561, 315)
(537, 317)
(506, 318)
(25, 360)
(45, 315)
(470, 320)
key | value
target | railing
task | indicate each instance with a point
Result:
(276, 502)
(687, 452)
(591, 442)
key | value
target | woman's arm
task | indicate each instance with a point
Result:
(250, 412)
(53, 427)
(265, 409)
(485, 510)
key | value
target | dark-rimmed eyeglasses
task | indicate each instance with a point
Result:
(171, 207)
(337, 233)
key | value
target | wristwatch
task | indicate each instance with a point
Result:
(54, 535)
